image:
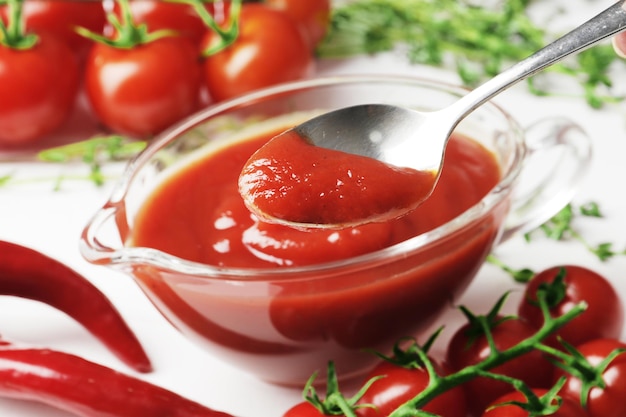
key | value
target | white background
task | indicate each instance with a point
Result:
(36, 215)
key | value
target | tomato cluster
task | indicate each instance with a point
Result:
(578, 371)
(141, 64)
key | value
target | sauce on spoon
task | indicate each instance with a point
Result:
(293, 182)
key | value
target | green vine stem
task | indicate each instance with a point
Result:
(439, 384)
(334, 402)
(535, 405)
(574, 363)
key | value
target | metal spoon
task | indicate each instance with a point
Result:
(389, 133)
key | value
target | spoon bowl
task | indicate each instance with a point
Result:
(403, 137)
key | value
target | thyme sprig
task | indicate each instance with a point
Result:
(522, 275)
(94, 152)
(476, 41)
(561, 227)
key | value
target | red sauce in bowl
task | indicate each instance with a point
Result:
(287, 325)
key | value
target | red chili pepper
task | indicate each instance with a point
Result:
(27, 273)
(87, 389)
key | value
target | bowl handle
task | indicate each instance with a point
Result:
(558, 157)
(101, 236)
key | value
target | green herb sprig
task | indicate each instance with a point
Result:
(94, 152)
(561, 227)
(477, 41)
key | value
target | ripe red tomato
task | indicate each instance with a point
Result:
(466, 348)
(60, 17)
(260, 57)
(38, 87)
(579, 284)
(303, 409)
(312, 16)
(159, 14)
(142, 90)
(568, 407)
(607, 401)
(400, 384)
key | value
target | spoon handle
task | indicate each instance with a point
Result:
(603, 25)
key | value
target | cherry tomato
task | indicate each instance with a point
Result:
(38, 87)
(312, 16)
(607, 401)
(400, 384)
(568, 407)
(303, 409)
(60, 17)
(578, 284)
(142, 90)
(466, 348)
(260, 57)
(159, 14)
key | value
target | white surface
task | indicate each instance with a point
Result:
(51, 221)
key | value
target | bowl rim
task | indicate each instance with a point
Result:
(93, 250)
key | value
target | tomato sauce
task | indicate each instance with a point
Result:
(290, 181)
(198, 214)
(285, 327)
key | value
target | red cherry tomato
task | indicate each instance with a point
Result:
(38, 88)
(60, 17)
(303, 409)
(578, 284)
(312, 16)
(260, 56)
(467, 349)
(607, 401)
(182, 18)
(400, 384)
(142, 90)
(568, 407)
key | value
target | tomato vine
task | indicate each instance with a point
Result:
(438, 384)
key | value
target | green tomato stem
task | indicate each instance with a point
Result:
(13, 34)
(129, 34)
(227, 35)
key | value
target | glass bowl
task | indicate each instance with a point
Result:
(282, 323)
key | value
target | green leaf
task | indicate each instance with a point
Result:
(479, 42)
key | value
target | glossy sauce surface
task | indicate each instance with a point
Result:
(290, 181)
(198, 214)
